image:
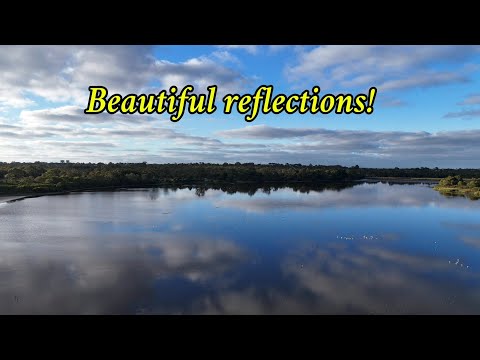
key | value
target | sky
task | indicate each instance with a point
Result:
(426, 112)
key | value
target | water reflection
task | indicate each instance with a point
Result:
(336, 280)
(366, 249)
(470, 240)
(117, 276)
(359, 196)
(324, 195)
(252, 188)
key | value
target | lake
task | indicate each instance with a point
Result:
(364, 249)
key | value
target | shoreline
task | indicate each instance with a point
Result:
(12, 198)
(7, 199)
(399, 180)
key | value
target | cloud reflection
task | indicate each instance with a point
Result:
(369, 280)
(120, 252)
(114, 275)
(362, 195)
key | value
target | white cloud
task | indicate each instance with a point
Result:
(467, 114)
(389, 102)
(427, 79)
(386, 67)
(226, 56)
(278, 48)
(54, 133)
(155, 141)
(251, 49)
(64, 73)
(473, 99)
(73, 114)
(200, 72)
(267, 132)
(368, 148)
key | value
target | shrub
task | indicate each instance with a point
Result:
(474, 183)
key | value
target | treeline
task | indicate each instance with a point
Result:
(54, 177)
(41, 177)
(422, 172)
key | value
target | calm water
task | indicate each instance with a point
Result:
(368, 249)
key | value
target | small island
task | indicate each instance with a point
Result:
(457, 186)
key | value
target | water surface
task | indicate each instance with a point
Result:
(367, 249)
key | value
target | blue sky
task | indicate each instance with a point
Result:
(426, 113)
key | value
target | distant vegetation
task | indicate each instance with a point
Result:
(41, 177)
(54, 177)
(457, 185)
